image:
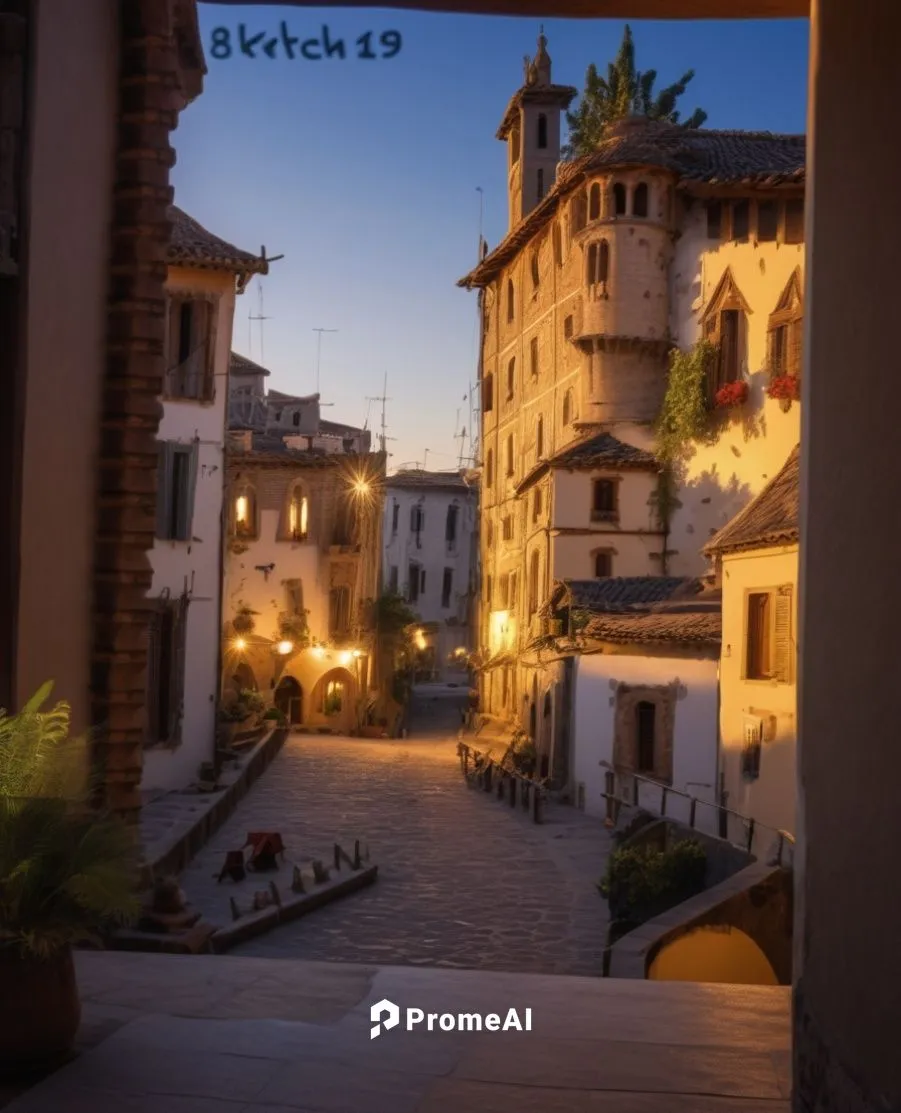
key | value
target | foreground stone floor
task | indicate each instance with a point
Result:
(222, 1034)
(464, 880)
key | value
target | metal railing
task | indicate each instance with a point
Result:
(633, 790)
(487, 773)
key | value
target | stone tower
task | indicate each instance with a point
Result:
(623, 220)
(531, 130)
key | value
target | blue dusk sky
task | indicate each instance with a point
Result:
(364, 175)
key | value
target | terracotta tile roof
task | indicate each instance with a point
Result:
(769, 519)
(701, 627)
(193, 246)
(558, 96)
(622, 594)
(435, 480)
(241, 365)
(693, 156)
(602, 450)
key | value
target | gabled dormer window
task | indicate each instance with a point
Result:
(725, 327)
(785, 332)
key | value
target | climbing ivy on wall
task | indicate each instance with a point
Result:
(684, 417)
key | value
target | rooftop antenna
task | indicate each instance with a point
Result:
(383, 398)
(251, 317)
(461, 436)
(319, 332)
(481, 194)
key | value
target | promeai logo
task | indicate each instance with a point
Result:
(386, 1009)
(385, 1014)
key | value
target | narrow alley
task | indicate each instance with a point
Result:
(464, 881)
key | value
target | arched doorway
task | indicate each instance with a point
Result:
(289, 700)
(333, 702)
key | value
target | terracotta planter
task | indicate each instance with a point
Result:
(40, 1012)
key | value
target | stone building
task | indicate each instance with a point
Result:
(659, 238)
(430, 532)
(302, 563)
(205, 275)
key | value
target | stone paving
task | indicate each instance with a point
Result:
(464, 880)
(211, 1034)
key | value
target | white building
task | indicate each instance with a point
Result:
(639, 691)
(205, 274)
(430, 553)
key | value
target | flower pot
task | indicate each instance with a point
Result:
(40, 1011)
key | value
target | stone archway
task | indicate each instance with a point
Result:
(333, 701)
(244, 678)
(289, 700)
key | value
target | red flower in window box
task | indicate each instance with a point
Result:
(732, 394)
(785, 388)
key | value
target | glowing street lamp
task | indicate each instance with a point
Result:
(285, 647)
(239, 644)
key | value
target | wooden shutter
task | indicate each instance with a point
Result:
(784, 646)
(153, 679)
(208, 340)
(164, 489)
(795, 346)
(179, 629)
(190, 488)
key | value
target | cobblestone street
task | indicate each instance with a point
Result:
(464, 880)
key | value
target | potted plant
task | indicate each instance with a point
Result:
(243, 621)
(67, 875)
(294, 628)
(785, 389)
(732, 395)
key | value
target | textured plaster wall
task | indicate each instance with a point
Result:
(72, 139)
(694, 737)
(194, 565)
(722, 478)
(771, 799)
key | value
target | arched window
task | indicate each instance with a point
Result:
(619, 199)
(539, 439)
(536, 504)
(567, 407)
(577, 211)
(298, 515)
(536, 274)
(594, 202)
(244, 511)
(646, 735)
(542, 131)
(598, 263)
(533, 582)
(489, 468)
(514, 146)
(640, 200)
(511, 378)
(558, 244)
(510, 299)
(603, 565)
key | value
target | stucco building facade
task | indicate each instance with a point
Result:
(205, 275)
(659, 239)
(756, 559)
(302, 565)
(430, 536)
